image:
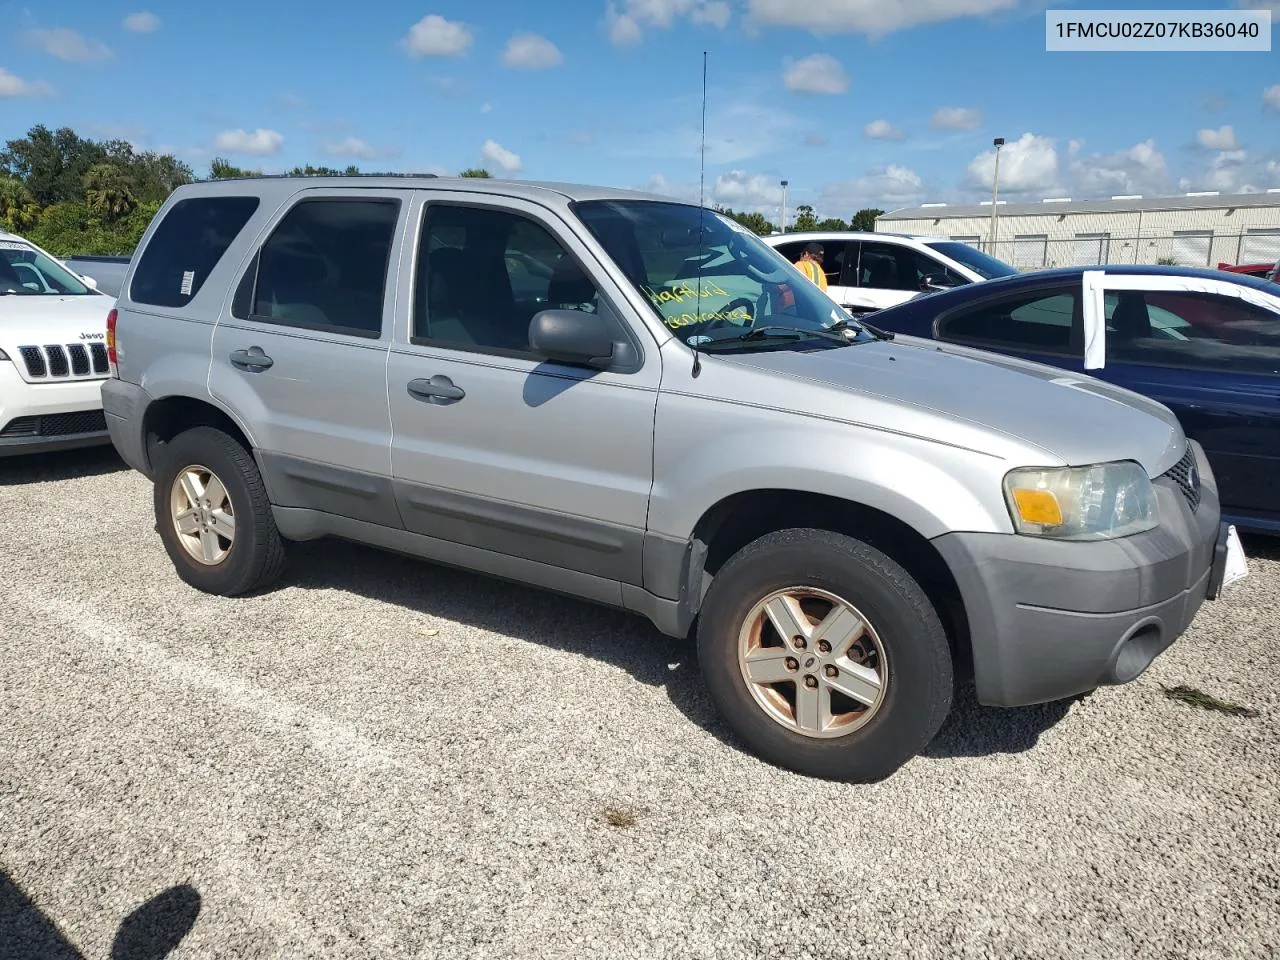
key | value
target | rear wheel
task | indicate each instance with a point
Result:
(213, 514)
(825, 655)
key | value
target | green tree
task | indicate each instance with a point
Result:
(865, 219)
(805, 220)
(107, 191)
(309, 171)
(832, 223)
(222, 169)
(52, 164)
(755, 222)
(476, 172)
(18, 209)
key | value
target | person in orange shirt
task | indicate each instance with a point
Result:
(810, 264)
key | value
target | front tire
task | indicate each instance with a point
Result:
(213, 514)
(825, 656)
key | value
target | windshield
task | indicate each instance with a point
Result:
(985, 265)
(711, 280)
(25, 271)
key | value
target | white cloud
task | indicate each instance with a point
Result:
(626, 24)
(622, 27)
(497, 154)
(1140, 169)
(957, 118)
(816, 73)
(743, 191)
(434, 36)
(290, 101)
(13, 87)
(875, 18)
(65, 44)
(528, 51)
(1029, 163)
(260, 143)
(1224, 138)
(356, 148)
(891, 186)
(486, 107)
(1271, 95)
(142, 22)
(881, 130)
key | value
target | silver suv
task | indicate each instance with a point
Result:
(634, 401)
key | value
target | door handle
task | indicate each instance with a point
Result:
(252, 359)
(439, 389)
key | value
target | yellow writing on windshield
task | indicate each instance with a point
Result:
(689, 319)
(682, 291)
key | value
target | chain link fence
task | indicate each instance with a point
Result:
(1192, 248)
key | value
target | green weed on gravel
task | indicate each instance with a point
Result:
(1206, 701)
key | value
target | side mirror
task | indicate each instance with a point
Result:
(573, 337)
(90, 281)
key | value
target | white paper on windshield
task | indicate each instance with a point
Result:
(1095, 321)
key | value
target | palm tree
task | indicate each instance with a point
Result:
(18, 209)
(107, 191)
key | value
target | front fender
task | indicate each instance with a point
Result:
(931, 487)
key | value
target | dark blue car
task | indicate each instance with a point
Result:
(1206, 343)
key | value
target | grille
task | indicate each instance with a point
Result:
(57, 424)
(1181, 474)
(56, 360)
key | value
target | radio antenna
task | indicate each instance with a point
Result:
(702, 187)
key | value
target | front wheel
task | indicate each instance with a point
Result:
(214, 516)
(825, 656)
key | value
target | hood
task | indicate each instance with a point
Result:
(71, 323)
(920, 385)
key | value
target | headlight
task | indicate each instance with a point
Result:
(1096, 502)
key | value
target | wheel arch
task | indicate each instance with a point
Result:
(166, 417)
(731, 523)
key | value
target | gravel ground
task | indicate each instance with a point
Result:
(384, 758)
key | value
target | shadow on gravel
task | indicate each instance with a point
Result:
(618, 639)
(1259, 547)
(151, 932)
(60, 465)
(973, 730)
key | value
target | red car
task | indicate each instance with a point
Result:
(1265, 271)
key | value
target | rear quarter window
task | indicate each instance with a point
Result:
(185, 248)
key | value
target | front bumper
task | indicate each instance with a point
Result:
(1049, 620)
(40, 417)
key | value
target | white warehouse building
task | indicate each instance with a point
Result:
(1197, 229)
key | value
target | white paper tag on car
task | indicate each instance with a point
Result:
(1237, 565)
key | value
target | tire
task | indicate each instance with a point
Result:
(906, 645)
(254, 557)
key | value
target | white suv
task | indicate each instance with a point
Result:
(53, 354)
(872, 271)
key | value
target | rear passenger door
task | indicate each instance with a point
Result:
(301, 350)
(495, 447)
(888, 274)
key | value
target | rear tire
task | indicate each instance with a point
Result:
(213, 514)
(855, 717)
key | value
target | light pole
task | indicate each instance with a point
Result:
(998, 142)
(782, 228)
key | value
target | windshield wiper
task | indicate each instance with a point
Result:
(782, 333)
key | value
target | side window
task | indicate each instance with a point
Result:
(483, 273)
(324, 267)
(186, 246)
(1040, 322)
(834, 256)
(930, 271)
(1201, 331)
(887, 266)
